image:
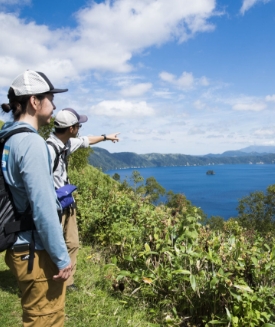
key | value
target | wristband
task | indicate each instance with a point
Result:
(105, 138)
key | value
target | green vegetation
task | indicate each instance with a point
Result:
(147, 265)
(184, 272)
(257, 211)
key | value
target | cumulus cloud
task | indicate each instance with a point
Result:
(185, 82)
(270, 98)
(108, 34)
(122, 109)
(247, 4)
(136, 90)
(249, 106)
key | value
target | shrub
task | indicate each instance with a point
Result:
(186, 273)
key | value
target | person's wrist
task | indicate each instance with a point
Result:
(104, 137)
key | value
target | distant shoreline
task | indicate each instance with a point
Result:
(192, 165)
(105, 160)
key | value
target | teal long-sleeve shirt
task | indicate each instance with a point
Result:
(26, 167)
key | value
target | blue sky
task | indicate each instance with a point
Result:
(177, 76)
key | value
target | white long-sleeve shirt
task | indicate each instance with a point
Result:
(60, 174)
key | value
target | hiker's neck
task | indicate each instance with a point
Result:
(63, 137)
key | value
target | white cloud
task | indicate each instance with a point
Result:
(136, 90)
(137, 24)
(249, 106)
(204, 81)
(196, 130)
(14, 2)
(264, 132)
(122, 109)
(198, 104)
(213, 136)
(243, 103)
(107, 36)
(165, 94)
(247, 4)
(270, 98)
(142, 131)
(164, 132)
(167, 77)
(185, 82)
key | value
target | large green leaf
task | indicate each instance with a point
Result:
(193, 282)
(181, 271)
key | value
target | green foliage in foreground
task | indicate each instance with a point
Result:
(257, 211)
(187, 274)
(159, 266)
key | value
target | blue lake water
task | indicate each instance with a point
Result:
(217, 194)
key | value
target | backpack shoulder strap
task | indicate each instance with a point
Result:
(2, 143)
(4, 138)
(14, 131)
(57, 154)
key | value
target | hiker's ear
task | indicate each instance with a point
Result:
(33, 102)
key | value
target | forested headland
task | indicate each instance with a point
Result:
(105, 160)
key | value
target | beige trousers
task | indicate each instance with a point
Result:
(43, 299)
(70, 232)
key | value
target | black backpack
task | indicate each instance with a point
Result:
(10, 221)
(57, 155)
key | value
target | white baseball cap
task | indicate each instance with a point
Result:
(31, 82)
(68, 117)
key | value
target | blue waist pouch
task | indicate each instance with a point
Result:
(64, 195)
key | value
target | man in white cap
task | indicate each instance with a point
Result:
(61, 144)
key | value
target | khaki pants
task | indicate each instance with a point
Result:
(43, 299)
(70, 232)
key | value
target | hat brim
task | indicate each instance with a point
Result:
(57, 91)
(82, 118)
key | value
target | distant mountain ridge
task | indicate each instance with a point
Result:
(252, 150)
(259, 149)
(105, 160)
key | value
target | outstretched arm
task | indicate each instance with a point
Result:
(110, 137)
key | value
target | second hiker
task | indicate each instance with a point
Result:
(61, 143)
